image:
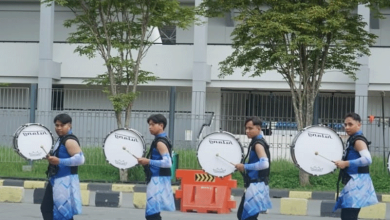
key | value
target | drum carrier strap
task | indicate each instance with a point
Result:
(163, 171)
(263, 175)
(53, 169)
(343, 175)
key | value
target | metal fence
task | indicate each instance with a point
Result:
(93, 117)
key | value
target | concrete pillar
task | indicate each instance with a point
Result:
(46, 67)
(363, 75)
(200, 76)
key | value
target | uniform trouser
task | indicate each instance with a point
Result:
(48, 203)
(156, 216)
(350, 213)
(241, 209)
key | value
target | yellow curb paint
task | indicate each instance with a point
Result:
(293, 206)
(122, 187)
(11, 194)
(300, 194)
(174, 188)
(84, 186)
(85, 197)
(377, 211)
(34, 184)
(385, 198)
(139, 200)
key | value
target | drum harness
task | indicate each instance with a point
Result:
(163, 171)
(343, 175)
(262, 176)
(53, 169)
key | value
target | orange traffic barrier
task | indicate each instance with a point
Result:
(201, 192)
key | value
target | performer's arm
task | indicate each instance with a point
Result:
(166, 161)
(263, 162)
(77, 157)
(365, 156)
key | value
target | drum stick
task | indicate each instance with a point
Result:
(124, 148)
(44, 151)
(316, 153)
(225, 160)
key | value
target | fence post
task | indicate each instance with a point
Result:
(172, 110)
(33, 102)
(383, 125)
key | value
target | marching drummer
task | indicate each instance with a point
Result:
(358, 189)
(256, 173)
(157, 166)
(62, 199)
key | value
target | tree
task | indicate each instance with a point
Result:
(120, 31)
(298, 39)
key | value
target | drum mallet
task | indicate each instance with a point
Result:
(124, 148)
(225, 160)
(316, 153)
(44, 151)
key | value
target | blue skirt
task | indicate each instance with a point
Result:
(159, 196)
(359, 192)
(66, 197)
(256, 199)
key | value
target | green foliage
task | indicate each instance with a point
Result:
(120, 31)
(298, 39)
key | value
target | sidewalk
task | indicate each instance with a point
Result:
(134, 196)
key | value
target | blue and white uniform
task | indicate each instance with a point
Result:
(159, 195)
(256, 198)
(359, 191)
(66, 187)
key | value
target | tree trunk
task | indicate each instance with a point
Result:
(303, 178)
(307, 121)
(123, 175)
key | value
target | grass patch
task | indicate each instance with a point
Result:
(284, 174)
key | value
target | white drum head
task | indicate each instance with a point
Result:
(115, 143)
(29, 139)
(323, 140)
(229, 151)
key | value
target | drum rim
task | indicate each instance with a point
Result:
(17, 133)
(216, 132)
(292, 147)
(128, 129)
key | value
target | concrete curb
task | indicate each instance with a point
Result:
(38, 195)
(327, 209)
(108, 199)
(34, 184)
(11, 182)
(12, 194)
(293, 206)
(377, 211)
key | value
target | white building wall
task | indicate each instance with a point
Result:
(173, 65)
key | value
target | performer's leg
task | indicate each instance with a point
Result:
(47, 203)
(241, 207)
(350, 213)
(156, 216)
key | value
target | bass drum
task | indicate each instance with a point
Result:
(217, 153)
(119, 144)
(314, 149)
(32, 141)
